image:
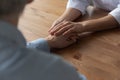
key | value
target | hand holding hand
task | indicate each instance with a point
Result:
(67, 27)
(61, 41)
(55, 23)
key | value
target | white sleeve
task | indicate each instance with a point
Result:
(116, 13)
(78, 4)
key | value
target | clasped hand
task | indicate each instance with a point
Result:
(65, 33)
(67, 28)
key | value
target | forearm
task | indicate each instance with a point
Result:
(104, 23)
(70, 14)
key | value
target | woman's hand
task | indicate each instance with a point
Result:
(70, 14)
(67, 27)
(55, 23)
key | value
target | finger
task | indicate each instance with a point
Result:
(59, 26)
(62, 30)
(73, 37)
(72, 40)
(51, 28)
(70, 31)
(54, 24)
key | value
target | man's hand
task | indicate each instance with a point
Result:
(61, 41)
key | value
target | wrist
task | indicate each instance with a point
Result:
(83, 26)
(63, 18)
(50, 42)
(88, 26)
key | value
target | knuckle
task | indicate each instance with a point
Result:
(71, 30)
(67, 22)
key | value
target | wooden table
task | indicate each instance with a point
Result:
(97, 56)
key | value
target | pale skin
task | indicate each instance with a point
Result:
(53, 41)
(65, 25)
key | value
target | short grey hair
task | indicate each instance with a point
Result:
(8, 7)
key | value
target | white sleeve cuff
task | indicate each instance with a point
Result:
(116, 14)
(80, 5)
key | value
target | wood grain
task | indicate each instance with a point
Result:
(97, 55)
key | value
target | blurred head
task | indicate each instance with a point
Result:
(10, 10)
(9, 7)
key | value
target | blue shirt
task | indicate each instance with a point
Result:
(31, 62)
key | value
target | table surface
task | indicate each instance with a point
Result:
(97, 55)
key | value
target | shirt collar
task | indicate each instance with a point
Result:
(12, 33)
